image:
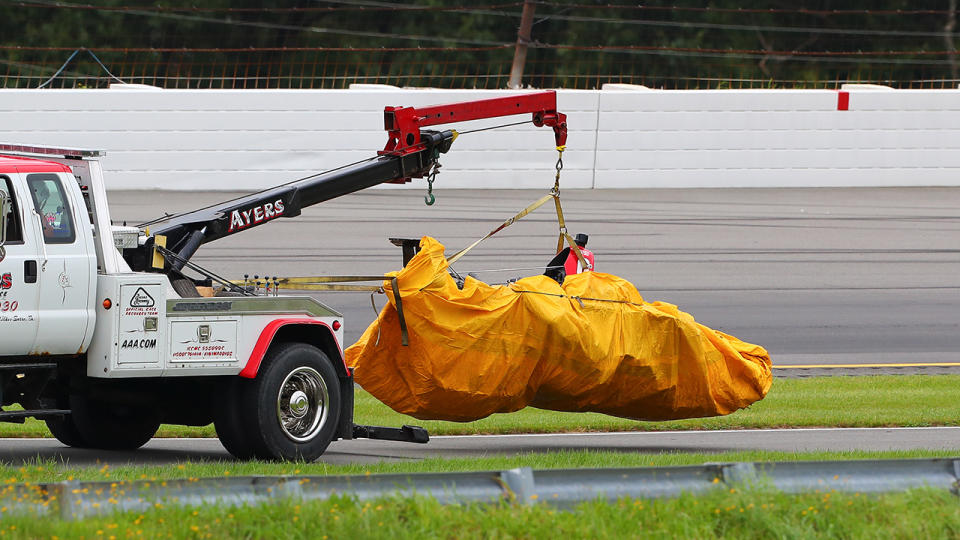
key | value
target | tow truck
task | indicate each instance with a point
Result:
(103, 335)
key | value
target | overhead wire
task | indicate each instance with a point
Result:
(72, 56)
(574, 18)
(714, 9)
(352, 7)
(270, 26)
(750, 27)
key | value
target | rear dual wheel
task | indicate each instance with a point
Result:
(104, 425)
(289, 412)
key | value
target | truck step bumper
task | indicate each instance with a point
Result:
(26, 366)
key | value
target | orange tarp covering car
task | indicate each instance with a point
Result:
(590, 345)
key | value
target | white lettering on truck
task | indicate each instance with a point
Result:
(241, 219)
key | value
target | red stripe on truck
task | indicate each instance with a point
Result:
(266, 338)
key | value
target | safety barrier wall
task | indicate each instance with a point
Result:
(619, 138)
(778, 138)
(75, 500)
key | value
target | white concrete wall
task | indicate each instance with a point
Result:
(251, 139)
(780, 138)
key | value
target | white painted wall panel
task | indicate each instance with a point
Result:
(906, 100)
(252, 139)
(719, 100)
(183, 139)
(777, 138)
(472, 179)
(694, 178)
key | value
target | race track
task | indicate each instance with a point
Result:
(164, 451)
(829, 280)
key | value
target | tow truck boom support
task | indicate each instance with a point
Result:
(410, 153)
(404, 123)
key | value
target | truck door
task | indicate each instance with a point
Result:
(66, 265)
(19, 292)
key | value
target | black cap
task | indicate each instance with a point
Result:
(581, 240)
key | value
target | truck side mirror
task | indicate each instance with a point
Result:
(4, 212)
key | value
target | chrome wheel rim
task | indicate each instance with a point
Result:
(302, 404)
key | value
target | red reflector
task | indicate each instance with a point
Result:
(107, 304)
(336, 325)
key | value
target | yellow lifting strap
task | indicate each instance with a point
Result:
(456, 256)
(555, 195)
(330, 283)
(564, 235)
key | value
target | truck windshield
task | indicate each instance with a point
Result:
(54, 209)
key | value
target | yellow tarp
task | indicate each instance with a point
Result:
(488, 349)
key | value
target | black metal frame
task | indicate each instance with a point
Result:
(186, 232)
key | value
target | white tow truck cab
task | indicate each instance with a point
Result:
(105, 354)
(104, 337)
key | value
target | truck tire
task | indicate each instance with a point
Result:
(110, 426)
(66, 431)
(291, 410)
(184, 287)
(227, 419)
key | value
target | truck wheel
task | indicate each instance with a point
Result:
(228, 419)
(110, 426)
(66, 431)
(293, 406)
(184, 287)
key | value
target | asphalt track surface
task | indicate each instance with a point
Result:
(165, 451)
(829, 280)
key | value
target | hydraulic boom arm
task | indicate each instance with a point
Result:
(410, 153)
(404, 123)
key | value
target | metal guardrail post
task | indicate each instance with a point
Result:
(520, 484)
(738, 473)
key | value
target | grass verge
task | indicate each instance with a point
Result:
(870, 401)
(53, 471)
(739, 513)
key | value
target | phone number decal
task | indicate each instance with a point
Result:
(7, 305)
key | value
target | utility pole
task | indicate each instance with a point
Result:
(523, 38)
(948, 38)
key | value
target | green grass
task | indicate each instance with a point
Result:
(737, 513)
(53, 471)
(879, 401)
(873, 401)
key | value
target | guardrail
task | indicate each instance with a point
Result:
(564, 487)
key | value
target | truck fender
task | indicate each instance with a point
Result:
(314, 332)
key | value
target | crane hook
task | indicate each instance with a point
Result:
(431, 177)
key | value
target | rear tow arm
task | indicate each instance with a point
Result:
(411, 434)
